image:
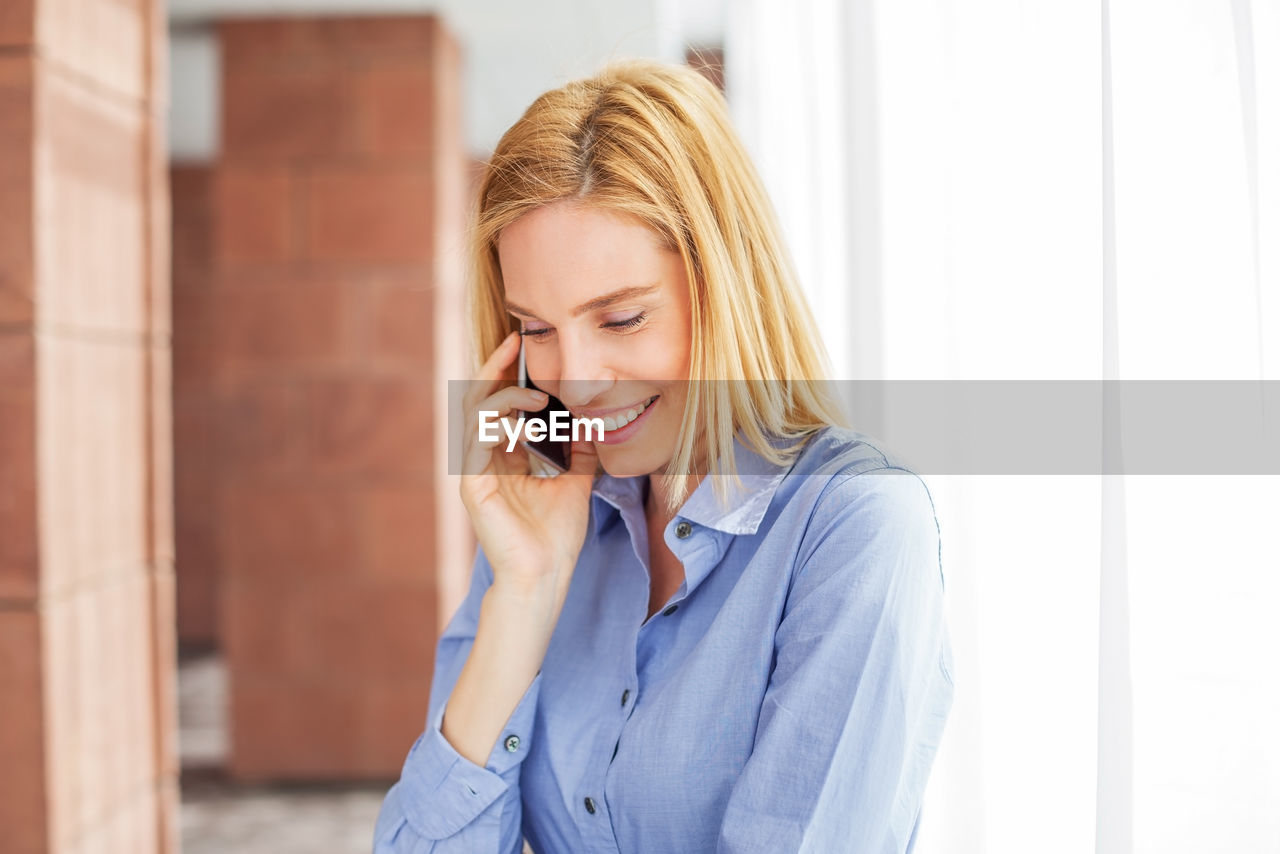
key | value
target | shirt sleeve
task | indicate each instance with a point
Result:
(861, 689)
(444, 803)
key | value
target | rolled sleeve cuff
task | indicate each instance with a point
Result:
(442, 791)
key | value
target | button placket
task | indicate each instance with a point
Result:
(626, 715)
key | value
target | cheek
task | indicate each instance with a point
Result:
(673, 398)
(542, 361)
(669, 356)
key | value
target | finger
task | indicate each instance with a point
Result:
(583, 459)
(487, 378)
(489, 425)
(480, 451)
(507, 400)
(514, 462)
(498, 413)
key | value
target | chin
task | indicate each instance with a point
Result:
(630, 462)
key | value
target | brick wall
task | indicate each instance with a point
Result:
(86, 583)
(195, 456)
(332, 321)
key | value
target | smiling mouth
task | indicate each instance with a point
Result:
(618, 420)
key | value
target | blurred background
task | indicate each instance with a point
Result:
(230, 303)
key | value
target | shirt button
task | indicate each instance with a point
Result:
(683, 530)
(512, 743)
(625, 695)
(671, 610)
(590, 805)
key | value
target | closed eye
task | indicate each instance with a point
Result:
(629, 323)
(616, 325)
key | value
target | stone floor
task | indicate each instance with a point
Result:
(219, 817)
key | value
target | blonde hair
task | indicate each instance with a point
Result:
(655, 141)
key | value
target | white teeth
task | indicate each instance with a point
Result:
(622, 419)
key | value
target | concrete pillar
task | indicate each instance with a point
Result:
(333, 309)
(87, 706)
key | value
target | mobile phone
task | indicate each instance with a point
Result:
(549, 451)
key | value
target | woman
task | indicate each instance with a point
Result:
(732, 638)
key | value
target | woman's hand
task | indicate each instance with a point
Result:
(531, 528)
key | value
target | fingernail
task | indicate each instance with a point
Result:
(540, 396)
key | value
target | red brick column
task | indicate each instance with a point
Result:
(337, 208)
(87, 711)
(195, 457)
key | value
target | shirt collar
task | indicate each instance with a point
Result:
(746, 502)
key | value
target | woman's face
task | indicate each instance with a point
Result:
(604, 308)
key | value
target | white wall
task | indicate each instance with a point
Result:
(194, 87)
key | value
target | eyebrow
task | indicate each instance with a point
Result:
(594, 304)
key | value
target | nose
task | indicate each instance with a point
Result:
(584, 372)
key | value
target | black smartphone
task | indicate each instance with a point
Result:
(553, 453)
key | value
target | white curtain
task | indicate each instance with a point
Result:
(1002, 189)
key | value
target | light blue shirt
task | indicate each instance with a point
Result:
(789, 697)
